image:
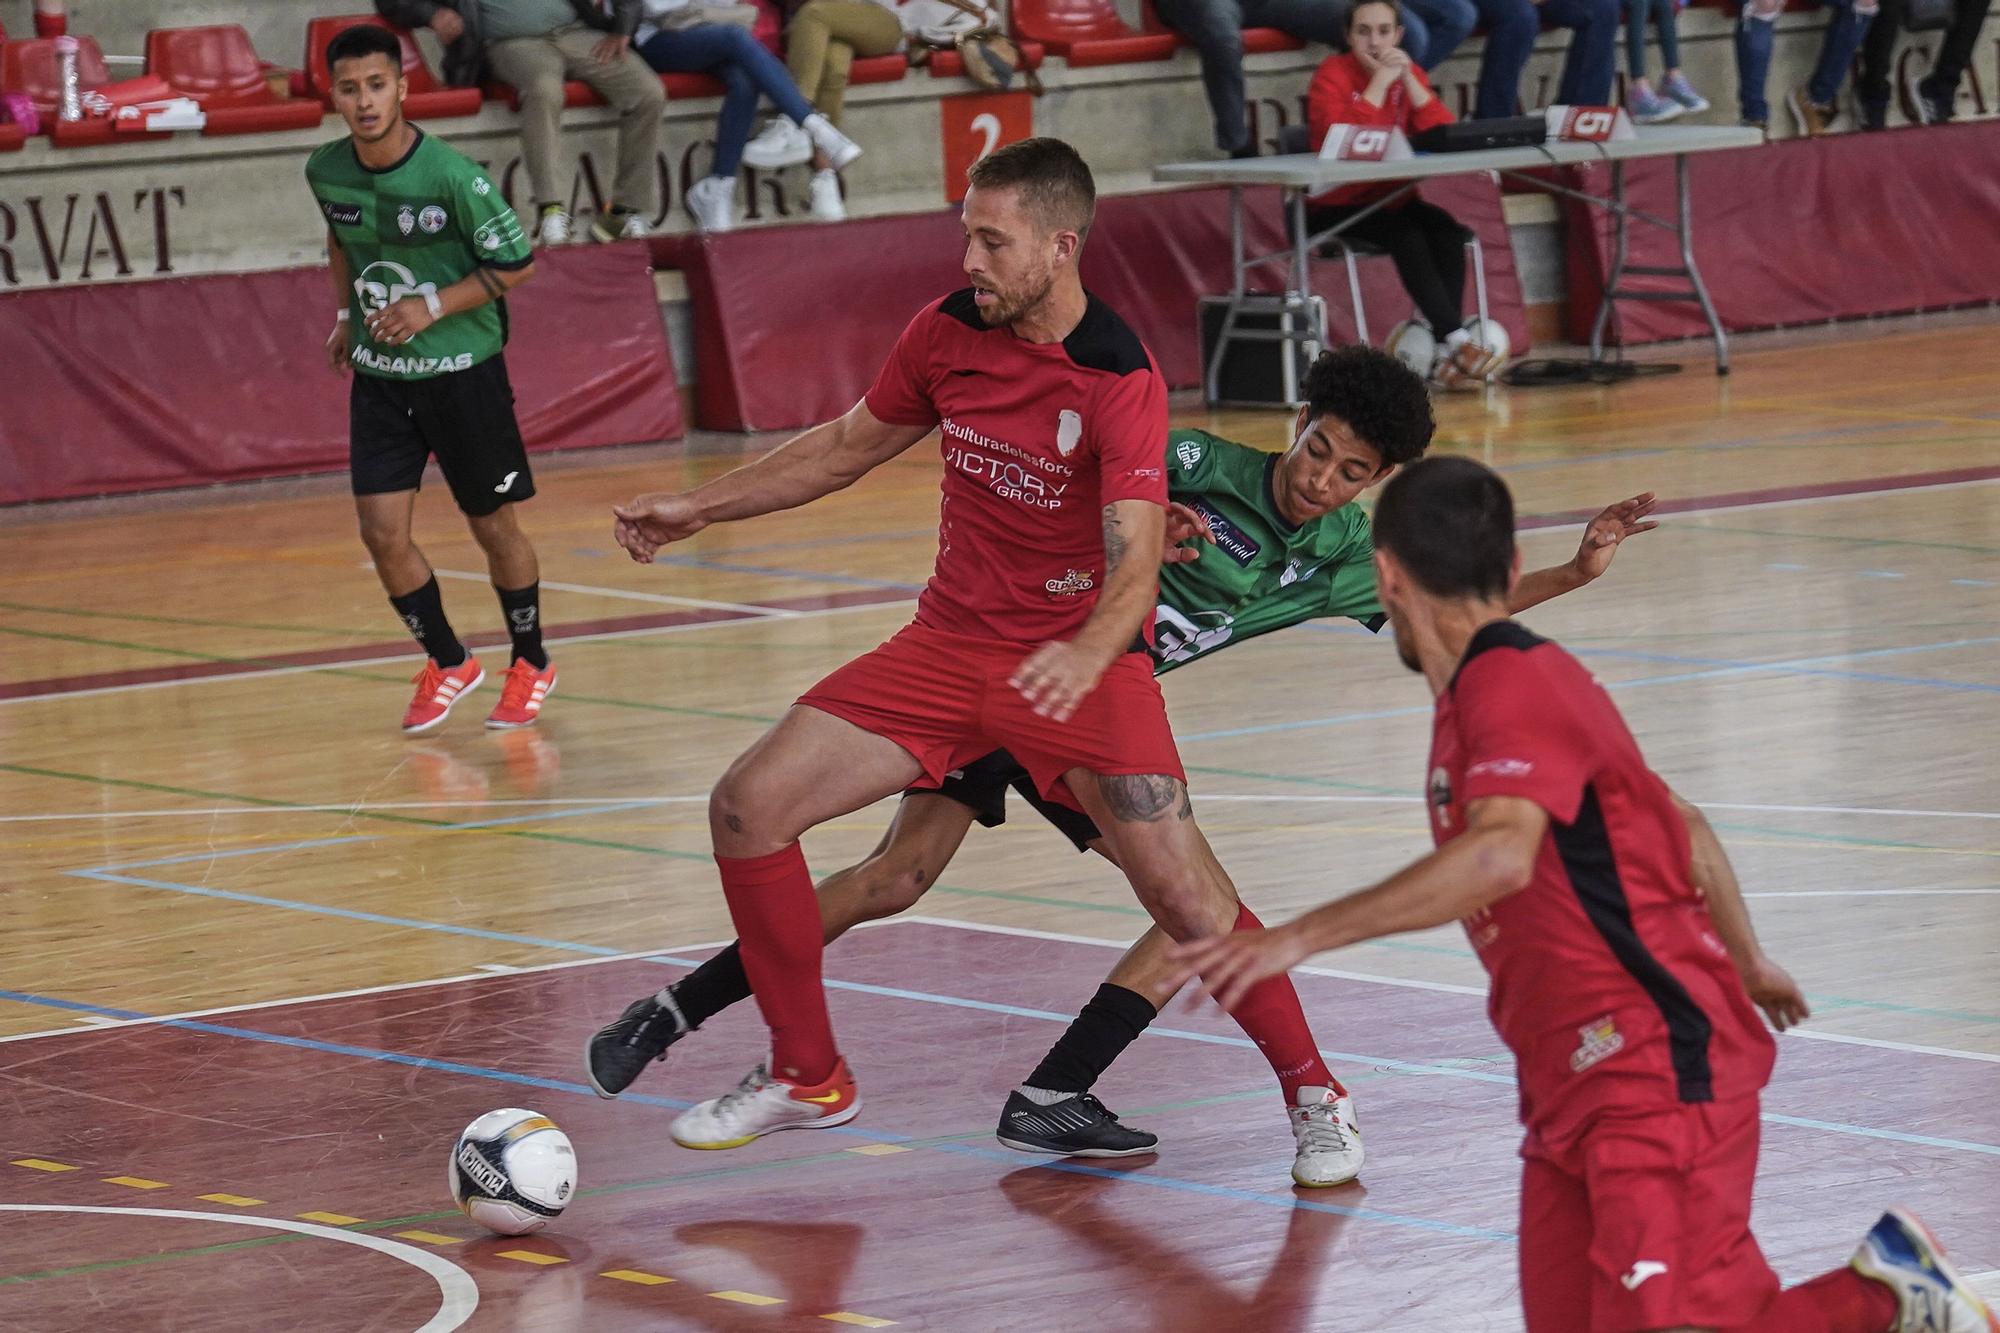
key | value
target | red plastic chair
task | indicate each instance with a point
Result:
(879, 69)
(32, 67)
(575, 93)
(950, 64)
(1087, 32)
(218, 67)
(427, 98)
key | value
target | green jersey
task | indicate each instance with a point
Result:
(1262, 573)
(415, 228)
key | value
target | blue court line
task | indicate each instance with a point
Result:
(846, 1131)
(1974, 583)
(1879, 573)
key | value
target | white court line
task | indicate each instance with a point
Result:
(405, 657)
(458, 1293)
(1405, 983)
(630, 595)
(1875, 893)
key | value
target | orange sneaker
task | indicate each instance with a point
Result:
(438, 688)
(521, 695)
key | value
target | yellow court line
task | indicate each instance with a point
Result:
(878, 1149)
(330, 1219)
(428, 1237)
(233, 1200)
(39, 1164)
(746, 1298)
(634, 1275)
(136, 1182)
(859, 1320)
(532, 1257)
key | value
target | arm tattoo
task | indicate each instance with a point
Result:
(1114, 539)
(490, 280)
(1144, 799)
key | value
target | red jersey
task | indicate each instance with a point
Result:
(1610, 984)
(1037, 438)
(1335, 99)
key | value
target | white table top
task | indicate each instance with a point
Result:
(1307, 172)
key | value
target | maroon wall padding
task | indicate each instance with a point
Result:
(1807, 230)
(792, 323)
(149, 385)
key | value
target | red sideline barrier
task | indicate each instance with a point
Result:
(1808, 230)
(766, 362)
(149, 385)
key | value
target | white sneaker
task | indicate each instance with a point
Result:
(782, 144)
(764, 1105)
(554, 228)
(1329, 1138)
(711, 202)
(824, 196)
(839, 149)
(620, 226)
(1931, 1297)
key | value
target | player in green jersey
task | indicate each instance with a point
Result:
(1285, 543)
(423, 250)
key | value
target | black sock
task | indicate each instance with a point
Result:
(523, 609)
(712, 987)
(423, 612)
(1112, 1020)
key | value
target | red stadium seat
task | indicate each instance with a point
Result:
(950, 64)
(1087, 32)
(12, 136)
(880, 69)
(32, 67)
(1256, 41)
(427, 98)
(683, 87)
(217, 67)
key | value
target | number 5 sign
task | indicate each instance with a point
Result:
(974, 126)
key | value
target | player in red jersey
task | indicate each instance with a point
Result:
(1625, 974)
(1050, 414)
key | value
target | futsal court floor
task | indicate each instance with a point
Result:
(262, 957)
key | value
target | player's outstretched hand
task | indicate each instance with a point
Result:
(1229, 965)
(648, 522)
(337, 347)
(1600, 540)
(1056, 677)
(400, 322)
(1775, 993)
(1184, 525)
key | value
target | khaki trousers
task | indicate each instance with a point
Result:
(824, 38)
(537, 67)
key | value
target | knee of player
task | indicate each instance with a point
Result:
(731, 806)
(890, 885)
(384, 540)
(1185, 902)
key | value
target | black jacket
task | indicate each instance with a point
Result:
(465, 59)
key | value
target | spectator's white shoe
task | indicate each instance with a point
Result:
(824, 194)
(782, 144)
(622, 225)
(838, 148)
(711, 202)
(554, 226)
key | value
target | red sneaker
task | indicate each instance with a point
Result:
(438, 688)
(521, 695)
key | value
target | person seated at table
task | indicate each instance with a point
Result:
(1588, 71)
(1374, 83)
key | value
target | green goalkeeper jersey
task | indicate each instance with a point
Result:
(1261, 574)
(413, 228)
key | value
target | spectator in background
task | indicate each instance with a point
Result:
(1676, 95)
(1589, 69)
(535, 45)
(821, 42)
(1374, 82)
(1432, 29)
(1215, 29)
(1932, 96)
(688, 36)
(1812, 105)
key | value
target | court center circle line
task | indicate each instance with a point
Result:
(459, 1293)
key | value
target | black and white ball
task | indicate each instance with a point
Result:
(512, 1171)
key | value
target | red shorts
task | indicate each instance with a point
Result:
(945, 699)
(1644, 1223)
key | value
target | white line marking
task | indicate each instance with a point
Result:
(1875, 893)
(1887, 1045)
(630, 595)
(352, 808)
(458, 1293)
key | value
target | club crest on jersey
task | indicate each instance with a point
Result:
(1189, 452)
(480, 185)
(1069, 432)
(406, 219)
(431, 219)
(1597, 1040)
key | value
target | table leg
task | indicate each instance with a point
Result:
(1686, 234)
(1212, 375)
(1611, 279)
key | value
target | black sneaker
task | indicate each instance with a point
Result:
(1078, 1126)
(621, 1050)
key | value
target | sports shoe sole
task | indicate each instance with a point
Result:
(824, 1122)
(1043, 1150)
(1324, 1184)
(590, 1073)
(438, 721)
(491, 725)
(1944, 1266)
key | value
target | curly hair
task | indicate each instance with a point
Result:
(1379, 398)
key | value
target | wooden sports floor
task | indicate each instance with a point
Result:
(261, 957)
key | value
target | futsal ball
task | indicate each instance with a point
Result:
(512, 1171)
(1413, 344)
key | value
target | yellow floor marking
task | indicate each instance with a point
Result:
(746, 1298)
(331, 1219)
(859, 1320)
(531, 1257)
(136, 1182)
(428, 1237)
(233, 1200)
(878, 1149)
(634, 1275)
(37, 1164)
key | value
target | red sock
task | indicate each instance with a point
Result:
(1270, 1016)
(1842, 1301)
(50, 25)
(777, 919)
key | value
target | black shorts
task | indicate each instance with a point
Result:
(464, 417)
(981, 787)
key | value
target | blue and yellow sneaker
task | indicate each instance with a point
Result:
(1930, 1296)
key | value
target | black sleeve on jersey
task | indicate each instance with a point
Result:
(1375, 623)
(961, 306)
(1103, 341)
(507, 265)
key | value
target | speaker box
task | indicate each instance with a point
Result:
(1265, 368)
